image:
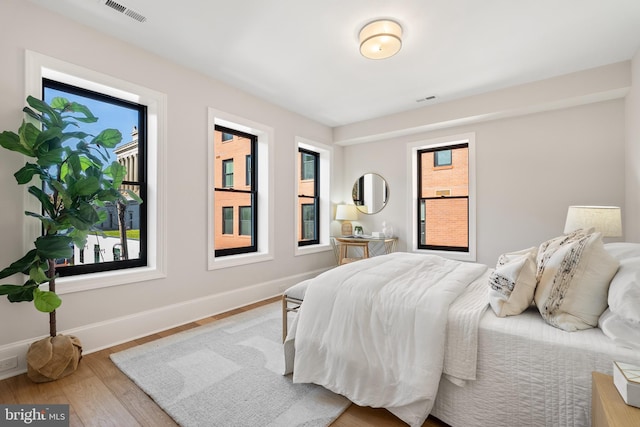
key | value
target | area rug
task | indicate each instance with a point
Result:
(229, 373)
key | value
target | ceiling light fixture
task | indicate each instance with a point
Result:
(380, 39)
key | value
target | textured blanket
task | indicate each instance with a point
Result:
(374, 331)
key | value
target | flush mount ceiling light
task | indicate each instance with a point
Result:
(380, 39)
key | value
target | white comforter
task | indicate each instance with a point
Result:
(374, 330)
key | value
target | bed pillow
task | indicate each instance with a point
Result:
(624, 292)
(621, 331)
(573, 281)
(623, 250)
(513, 282)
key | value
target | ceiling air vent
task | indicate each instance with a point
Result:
(124, 9)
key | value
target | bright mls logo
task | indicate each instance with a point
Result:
(34, 415)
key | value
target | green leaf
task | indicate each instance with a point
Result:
(27, 172)
(28, 134)
(48, 158)
(11, 141)
(44, 199)
(134, 196)
(18, 293)
(86, 187)
(79, 237)
(84, 217)
(54, 119)
(37, 274)
(49, 137)
(108, 138)
(46, 301)
(20, 265)
(54, 246)
(62, 192)
(117, 172)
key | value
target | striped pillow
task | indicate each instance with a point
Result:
(573, 274)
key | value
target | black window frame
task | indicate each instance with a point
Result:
(252, 191)
(421, 226)
(315, 197)
(142, 259)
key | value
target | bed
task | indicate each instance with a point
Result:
(385, 334)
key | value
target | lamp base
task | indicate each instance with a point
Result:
(347, 228)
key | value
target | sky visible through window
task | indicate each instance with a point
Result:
(109, 115)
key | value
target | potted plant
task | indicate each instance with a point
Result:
(77, 179)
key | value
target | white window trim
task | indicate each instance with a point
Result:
(326, 160)
(266, 192)
(40, 66)
(412, 183)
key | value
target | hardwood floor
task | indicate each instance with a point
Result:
(99, 394)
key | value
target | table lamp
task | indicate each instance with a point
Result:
(346, 214)
(605, 219)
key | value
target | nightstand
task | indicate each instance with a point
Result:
(607, 407)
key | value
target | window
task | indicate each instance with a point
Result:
(245, 220)
(308, 197)
(119, 243)
(150, 174)
(227, 173)
(247, 170)
(227, 220)
(442, 158)
(444, 219)
(241, 198)
(257, 192)
(226, 137)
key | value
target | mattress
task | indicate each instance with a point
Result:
(529, 374)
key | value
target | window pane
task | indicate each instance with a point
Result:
(120, 239)
(245, 221)
(446, 222)
(227, 173)
(442, 158)
(227, 220)
(308, 222)
(308, 166)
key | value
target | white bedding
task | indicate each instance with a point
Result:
(529, 374)
(374, 331)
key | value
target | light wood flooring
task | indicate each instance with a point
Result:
(99, 394)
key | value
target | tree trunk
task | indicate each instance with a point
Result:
(122, 209)
(52, 287)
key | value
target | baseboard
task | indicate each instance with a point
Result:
(101, 335)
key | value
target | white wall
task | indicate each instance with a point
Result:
(531, 165)
(190, 289)
(632, 155)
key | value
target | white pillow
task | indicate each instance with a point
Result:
(624, 292)
(621, 331)
(623, 250)
(573, 282)
(513, 282)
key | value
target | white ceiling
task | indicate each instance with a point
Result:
(303, 54)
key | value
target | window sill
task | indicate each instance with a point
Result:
(237, 260)
(68, 285)
(312, 249)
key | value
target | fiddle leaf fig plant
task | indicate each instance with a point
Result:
(74, 177)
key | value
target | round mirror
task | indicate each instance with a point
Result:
(370, 193)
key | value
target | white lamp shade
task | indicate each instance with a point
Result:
(380, 39)
(346, 213)
(605, 219)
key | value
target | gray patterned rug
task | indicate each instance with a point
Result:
(229, 373)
